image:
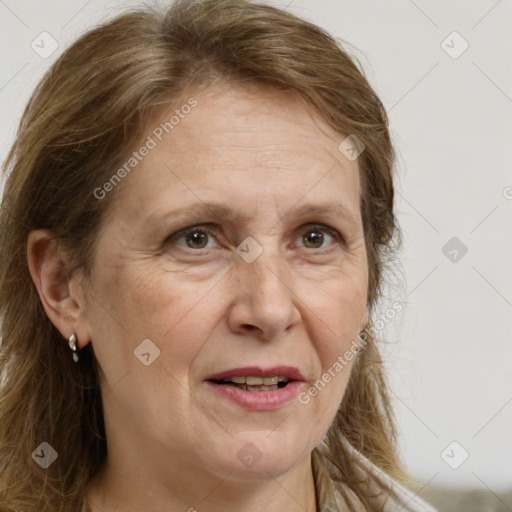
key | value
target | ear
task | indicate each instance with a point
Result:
(61, 294)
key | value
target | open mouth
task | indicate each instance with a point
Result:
(250, 383)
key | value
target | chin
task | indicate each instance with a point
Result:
(260, 455)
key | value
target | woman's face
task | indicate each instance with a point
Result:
(269, 281)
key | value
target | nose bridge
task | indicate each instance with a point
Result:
(265, 290)
(266, 275)
(270, 273)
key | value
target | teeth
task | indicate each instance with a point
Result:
(261, 388)
(257, 381)
(254, 381)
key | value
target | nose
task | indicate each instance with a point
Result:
(264, 304)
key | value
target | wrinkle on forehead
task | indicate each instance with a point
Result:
(235, 130)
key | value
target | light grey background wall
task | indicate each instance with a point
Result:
(444, 73)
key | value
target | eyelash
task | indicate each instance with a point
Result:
(215, 231)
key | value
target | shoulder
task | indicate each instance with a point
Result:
(387, 494)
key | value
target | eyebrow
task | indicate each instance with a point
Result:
(225, 213)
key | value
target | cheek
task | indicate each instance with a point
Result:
(145, 303)
(338, 309)
(136, 306)
(323, 398)
(339, 305)
(336, 354)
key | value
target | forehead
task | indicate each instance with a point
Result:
(237, 144)
(260, 121)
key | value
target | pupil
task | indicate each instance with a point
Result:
(197, 239)
(314, 239)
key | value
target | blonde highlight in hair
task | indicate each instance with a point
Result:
(84, 117)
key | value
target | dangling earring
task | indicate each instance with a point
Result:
(73, 346)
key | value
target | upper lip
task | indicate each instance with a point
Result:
(290, 372)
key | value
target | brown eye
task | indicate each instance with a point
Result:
(319, 237)
(196, 239)
(313, 239)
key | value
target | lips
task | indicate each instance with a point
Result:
(289, 372)
(258, 389)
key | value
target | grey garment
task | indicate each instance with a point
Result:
(390, 495)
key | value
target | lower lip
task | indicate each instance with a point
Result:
(259, 400)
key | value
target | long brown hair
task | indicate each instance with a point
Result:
(86, 114)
